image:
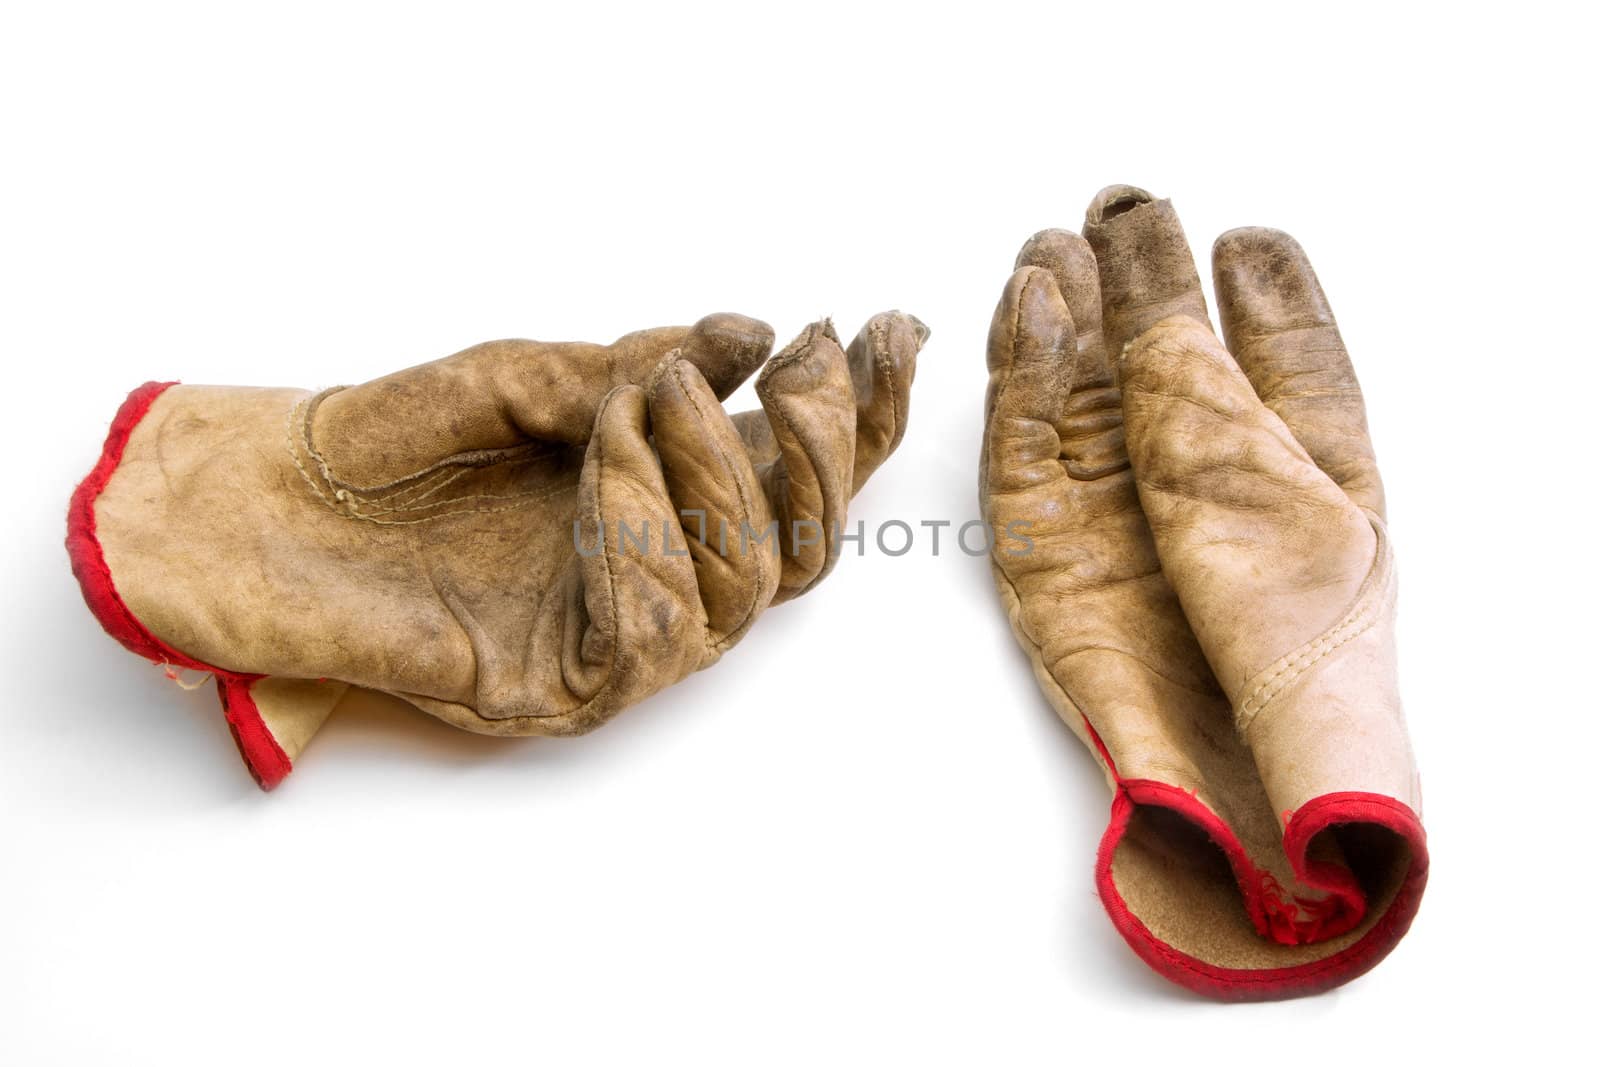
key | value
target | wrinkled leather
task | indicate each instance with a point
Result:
(1208, 600)
(415, 534)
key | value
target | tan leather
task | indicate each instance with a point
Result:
(294, 709)
(416, 534)
(1209, 593)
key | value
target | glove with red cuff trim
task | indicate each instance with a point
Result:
(524, 538)
(1206, 590)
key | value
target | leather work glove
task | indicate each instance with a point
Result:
(524, 538)
(1199, 572)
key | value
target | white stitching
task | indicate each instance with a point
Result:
(1373, 596)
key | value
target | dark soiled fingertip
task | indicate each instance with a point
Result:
(1263, 275)
(1251, 242)
(727, 348)
(1115, 200)
(1046, 248)
(1070, 261)
(733, 332)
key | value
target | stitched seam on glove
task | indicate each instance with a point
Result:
(1375, 597)
(365, 503)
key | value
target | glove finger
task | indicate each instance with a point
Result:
(1282, 333)
(809, 403)
(1070, 261)
(503, 394)
(719, 500)
(639, 625)
(883, 363)
(1240, 513)
(1031, 343)
(1146, 270)
(1090, 425)
(725, 348)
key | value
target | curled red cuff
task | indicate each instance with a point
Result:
(1286, 921)
(262, 754)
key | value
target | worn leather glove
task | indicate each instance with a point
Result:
(1199, 571)
(524, 538)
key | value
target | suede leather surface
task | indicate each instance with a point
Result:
(1210, 590)
(416, 534)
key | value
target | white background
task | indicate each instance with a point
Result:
(863, 837)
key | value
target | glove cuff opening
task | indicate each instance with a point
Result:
(1182, 891)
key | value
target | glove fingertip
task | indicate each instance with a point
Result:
(727, 348)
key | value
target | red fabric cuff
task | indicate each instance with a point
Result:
(266, 760)
(1343, 909)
